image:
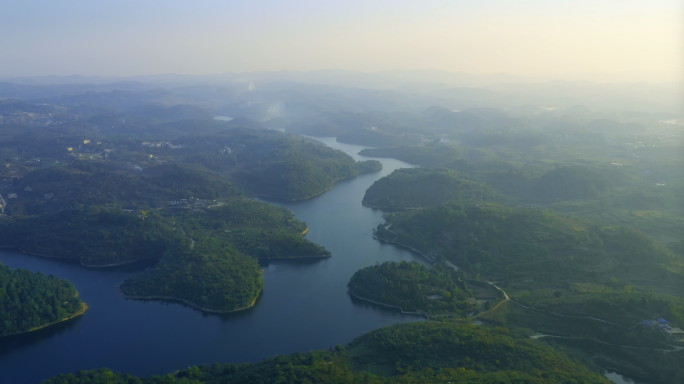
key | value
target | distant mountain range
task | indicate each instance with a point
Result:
(383, 79)
(264, 95)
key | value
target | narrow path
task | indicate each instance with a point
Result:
(576, 317)
(192, 242)
(539, 336)
(507, 298)
(496, 306)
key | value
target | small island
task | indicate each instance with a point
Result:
(31, 301)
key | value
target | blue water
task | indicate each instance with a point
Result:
(304, 304)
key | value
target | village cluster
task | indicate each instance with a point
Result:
(158, 144)
(194, 202)
(664, 325)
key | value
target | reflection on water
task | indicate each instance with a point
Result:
(304, 304)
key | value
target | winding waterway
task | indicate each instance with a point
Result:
(304, 304)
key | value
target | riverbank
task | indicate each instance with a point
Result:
(297, 257)
(117, 264)
(84, 307)
(316, 194)
(79, 261)
(424, 255)
(385, 208)
(190, 303)
(388, 305)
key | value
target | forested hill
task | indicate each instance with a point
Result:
(535, 244)
(94, 236)
(261, 161)
(402, 353)
(411, 286)
(577, 182)
(273, 163)
(423, 187)
(425, 156)
(108, 200)
(31, 300)
(207, 255)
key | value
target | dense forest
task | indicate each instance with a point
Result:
(261, 161)
(94, 183)
(117, 199)
(424, 187)
(527, 243)
(31, 300)
(590, 286)
(207, 255)
(575, 212)
(411, 286)
(425, 156)
(402, 353)
(209, 275)
(94, 236)
(573, 183)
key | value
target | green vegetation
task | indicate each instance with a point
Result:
(256, 229)
(272, 163)
(262, 161)
(423, 187)
(118, 178)
(576, 182)
(94, 236)
(207, 256)
(586, 285)
(103, 183)
(210, 276)
(618, 341)
(120, 199)
(411, 286)
(511, 243)
(32, 300)
(402, 353)
(425, 156)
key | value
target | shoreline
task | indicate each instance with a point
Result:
(296, 257)
(316, 194)
(115, 264)
(386, 305)
(390, 208)
(304, 198)
(425, 256)
(84, 307)
(136, 297)
(74, 260)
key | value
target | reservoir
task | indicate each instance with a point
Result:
(304, 304)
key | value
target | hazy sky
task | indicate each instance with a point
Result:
(599, 40)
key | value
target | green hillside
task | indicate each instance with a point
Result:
(402, 353)
(32, 300)
(576, 182)
(411, 286)
(424, 187)
(207, 255)
(533, 244)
